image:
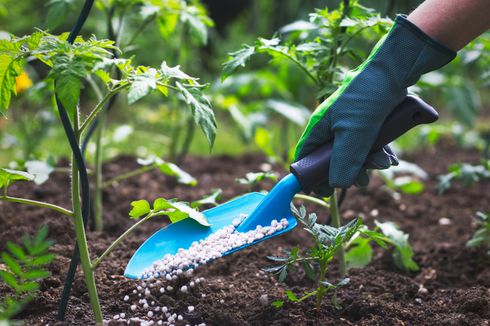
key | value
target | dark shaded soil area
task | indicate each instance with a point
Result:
(457, 279)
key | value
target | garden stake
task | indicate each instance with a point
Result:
(262, 209)
(79, 172)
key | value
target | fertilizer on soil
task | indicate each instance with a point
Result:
(174, 274)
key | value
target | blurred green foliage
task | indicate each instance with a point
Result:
(275, 98)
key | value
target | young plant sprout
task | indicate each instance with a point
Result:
(481, 237)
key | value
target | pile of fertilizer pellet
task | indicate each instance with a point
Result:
(174, 273)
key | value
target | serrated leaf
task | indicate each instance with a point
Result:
(10, 69)
(196, 24)
(68, 89)
(237, 59)
(140, 208)
(174, 72)
(142, 85)
(201, 111)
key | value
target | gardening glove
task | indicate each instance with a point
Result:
(354, 113)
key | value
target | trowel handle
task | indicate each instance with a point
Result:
(312, 170)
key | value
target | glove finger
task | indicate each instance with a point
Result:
(393, 157)
(362, 179)
(348, 156)
(381, 159)
(323, 190)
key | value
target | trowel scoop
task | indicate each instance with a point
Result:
(260, 208)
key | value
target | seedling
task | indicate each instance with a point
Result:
(481, 237)
(468, 174)
(24, 266)
(316, 260)
(406, 177)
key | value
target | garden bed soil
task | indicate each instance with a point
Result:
(457, 279)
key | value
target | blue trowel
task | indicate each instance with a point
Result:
(260, 208)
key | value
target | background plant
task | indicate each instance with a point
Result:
(481, 237)
(23, 267)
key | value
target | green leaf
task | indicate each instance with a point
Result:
(237, 59)
(36, 274)
(68, 88)
(278, 304)
(192, 213)
(360, 255)
(142, 85)
(201, 110)
(57, 12)
(10, 68)
(211, 199)
(171, 169)
(403, 253)
(140, 208)
(291, 296)
(17, 251)
(11, 263)
(256, 177)
(408, 185)
(161, 204)
(177, 211)
(9, 279)
(27, 287)
(296, 113)
(40, 237)
(174, 72)
(7, 176)
(42, 260)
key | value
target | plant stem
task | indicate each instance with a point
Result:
(312, 200)
(57, 208)
(98, 205)
(100, 106)
(335, 218)
(116, 242)
(129, 174)
(81, 236)
(320, 292)
(299, 64)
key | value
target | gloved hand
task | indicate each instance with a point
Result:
(353, 115)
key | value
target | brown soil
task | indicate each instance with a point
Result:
(457, 278)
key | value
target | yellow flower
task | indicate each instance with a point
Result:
(23, 82)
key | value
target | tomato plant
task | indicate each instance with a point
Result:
(71, 59)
